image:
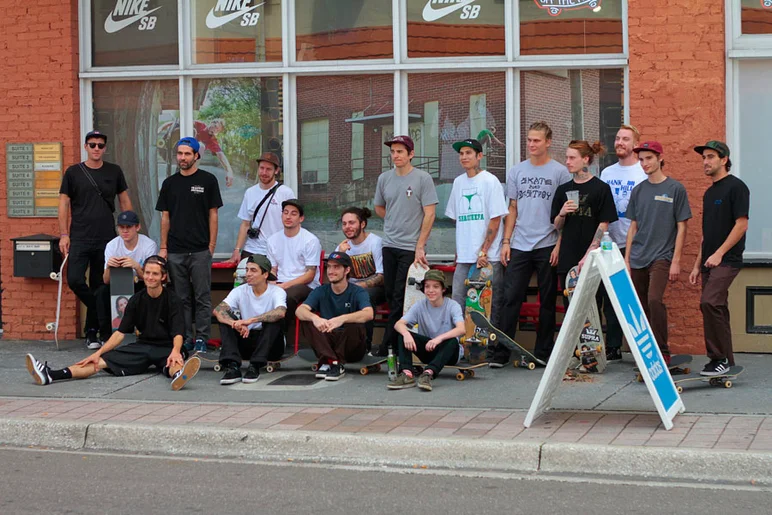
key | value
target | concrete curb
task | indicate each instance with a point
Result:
(43, 433)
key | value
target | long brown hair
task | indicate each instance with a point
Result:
(586, 150)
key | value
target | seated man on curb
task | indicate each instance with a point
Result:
(258, 334)
(338, 335)
(157, 314)
(435, 341)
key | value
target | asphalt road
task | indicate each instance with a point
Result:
(63, 482)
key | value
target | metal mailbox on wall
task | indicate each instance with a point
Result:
(36, 255)
(34, 174)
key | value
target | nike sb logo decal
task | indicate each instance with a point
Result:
(433, 13)
(131, 11)
(235, 9)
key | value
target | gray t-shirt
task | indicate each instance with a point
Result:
(533, 188)
(432, 321)
(656, 209)
(404, 198)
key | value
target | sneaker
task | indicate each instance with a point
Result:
(401, 382)
(252, 375)
(186, 373)
(380, 352)
(716, 367)
(189, 345)
(425, 381)
(200, 346)
(613, 354)
(92, 340)
(232, 375)
(38, 371)
(498, 363)
(335, 372)
(321, 372)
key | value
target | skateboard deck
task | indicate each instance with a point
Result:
(675, 367)
(462, 371)
(414, 286)
(591, 349)
(726, 380)
(121, 290)
(59, 277)
(479, 295)
(525, 358)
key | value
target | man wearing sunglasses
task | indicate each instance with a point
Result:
(86, 224)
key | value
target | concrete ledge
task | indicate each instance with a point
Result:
(657, 462)
(43, 433)
(372, 450)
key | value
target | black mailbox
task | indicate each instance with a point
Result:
(36, 256)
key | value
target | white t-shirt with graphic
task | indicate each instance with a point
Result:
(272, 210)
(622, 180)
(243, 299)
(472, 203)
(116, 248)
(291, 256)
(366, 257)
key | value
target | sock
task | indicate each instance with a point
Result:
(429, 371)
(408, 373)
(57, 375)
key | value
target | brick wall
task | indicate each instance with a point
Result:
(39, 101)
(677, 96)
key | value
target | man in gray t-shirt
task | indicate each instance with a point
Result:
(529, 241)
(406, 199)
(658, 213)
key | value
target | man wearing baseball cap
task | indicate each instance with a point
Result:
(260, 211)
(255, 333)
(658, 212)
(440, 322)
(87, 203)
(188, 202)
(337, 333)
(406, 199)
(725, 209)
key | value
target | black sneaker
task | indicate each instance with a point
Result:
(38, 371)
(613, 354)
(336, 372)
(321, 372)
(380, 352)
(232, 375)
(189, 345)
(498, 363)
(92, 340)
(252, 375)
(716, 367)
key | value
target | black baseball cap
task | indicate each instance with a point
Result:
(264, 263)
(470, 142)
(128, 218)
(293, 202)
(718, 146)
(95, 134)
(341, 258)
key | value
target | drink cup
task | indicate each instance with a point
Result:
(573, 196)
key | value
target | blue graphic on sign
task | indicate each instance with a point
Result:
(644, 339)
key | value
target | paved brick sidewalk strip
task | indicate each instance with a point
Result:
(706, 432)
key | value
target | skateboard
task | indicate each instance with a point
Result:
(590, 350)
(484, 326)
(121, 289)
(59, 277)
(725, 380)
(367, 365)
(463, 371)
(479, 295)
(414, 286)
(674, 367)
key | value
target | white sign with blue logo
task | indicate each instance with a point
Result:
(609, 266)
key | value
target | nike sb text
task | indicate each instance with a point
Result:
(233, 10)
(136, 10)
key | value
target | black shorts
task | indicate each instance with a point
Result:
(137, 358)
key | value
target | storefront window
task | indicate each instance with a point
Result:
(225, 31)
(235, 121)
(576, 104)
(327, 30)
(131, 33)
(554, 27)
(437, 28)
(756, 16)
(342, 124)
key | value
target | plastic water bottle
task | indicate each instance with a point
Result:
(606, 243)
(391, 359)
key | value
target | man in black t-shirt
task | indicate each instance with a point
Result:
(725, 209)
(189, 201)
(338, 333)
(86, 206)
(155, 313)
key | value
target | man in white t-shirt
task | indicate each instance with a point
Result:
(256, 333)
(366, 252)
(128, 250)
(295, 254)
(477, 205)
(266, 196)
(621, 177)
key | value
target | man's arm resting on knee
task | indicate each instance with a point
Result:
(306, 278)
(222, 313)
(357, 317)
(268, 317)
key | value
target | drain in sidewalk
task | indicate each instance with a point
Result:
(295, 380)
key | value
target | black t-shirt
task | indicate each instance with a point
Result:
(330, 305)
(92, 219)
(723, 203)
(158, 320)
(188, 200)
(596, 205)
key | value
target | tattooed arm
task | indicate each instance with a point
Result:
(221, 313)
(273, 315)
(370, 282)
(602, 227)
(490, 234)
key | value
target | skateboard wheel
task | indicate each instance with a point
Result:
(217, 367)
(687, 370)
(578, 353)
(531, 366)
(598, 349)
(712, 381)
(270, 368)
(466, 282)
(471, 373)
(364, 371)
(493, 337)
(727, 384)
(488, 283)
(314, 367)
(460, 376)
(639, 378)
(679, 389)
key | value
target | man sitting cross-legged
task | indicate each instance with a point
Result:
(157, 314)
(258, 335)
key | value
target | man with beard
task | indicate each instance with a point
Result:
(188, 202)
(337, 333)
(621, 177)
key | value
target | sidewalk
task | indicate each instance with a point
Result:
(248, 423)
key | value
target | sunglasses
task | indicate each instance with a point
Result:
(94, 145)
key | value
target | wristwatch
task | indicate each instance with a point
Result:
(482, 253)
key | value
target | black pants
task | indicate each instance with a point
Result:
(516, 278)
(396, 263)
(83, 255)
(446, 353)
(296, 295)
(260, 347)
(377, 296)
(191, 275)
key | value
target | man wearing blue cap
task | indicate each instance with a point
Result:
(86, 207)
(188, 202)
